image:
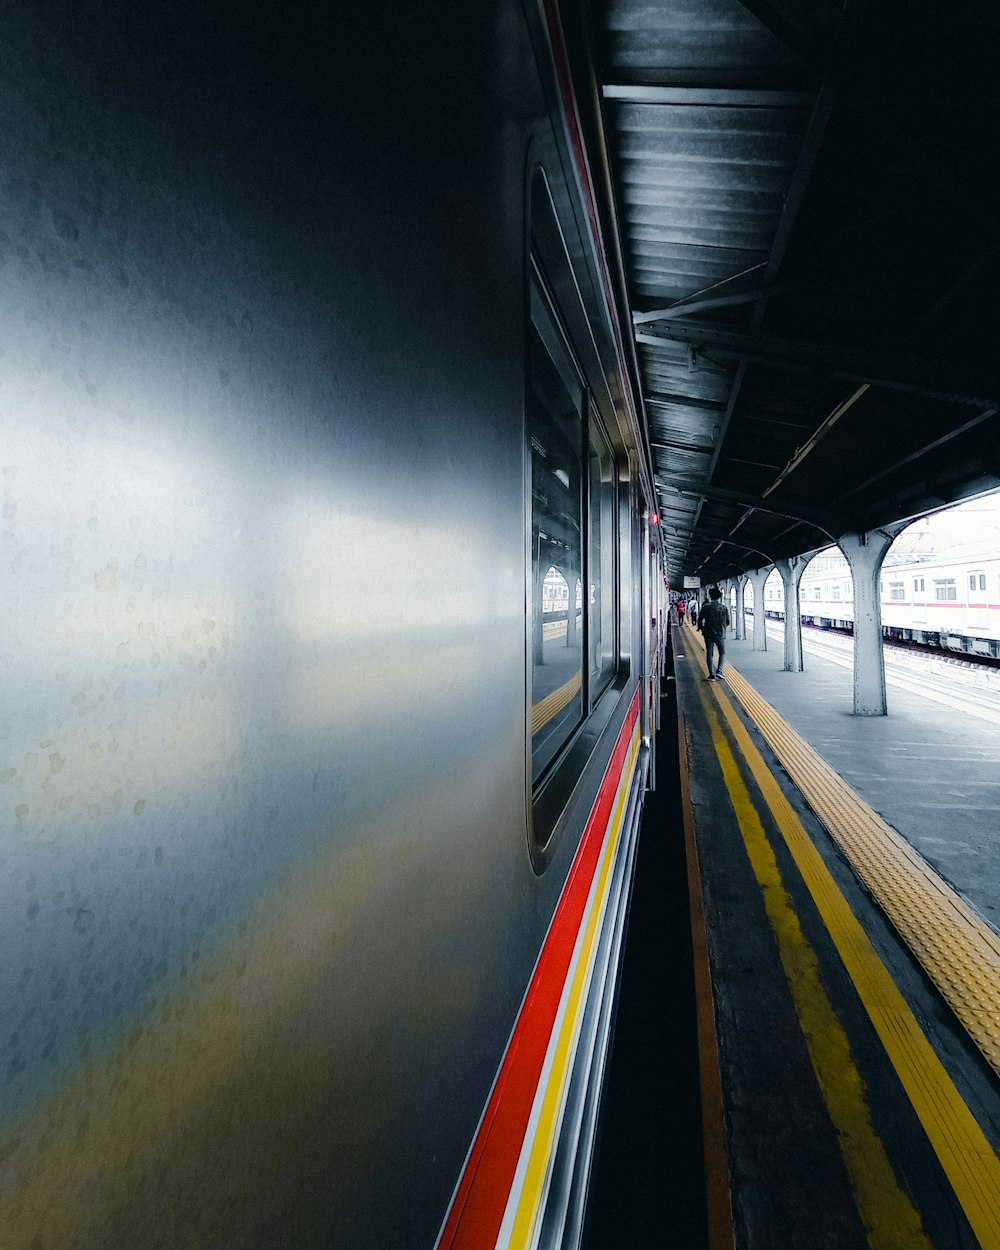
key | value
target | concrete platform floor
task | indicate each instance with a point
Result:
(930, 771)
(846, 1079)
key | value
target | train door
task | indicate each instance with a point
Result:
(647, 631)
(655, 625)
(977, 615)
(919, 600)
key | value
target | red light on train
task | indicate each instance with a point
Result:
(654, 518)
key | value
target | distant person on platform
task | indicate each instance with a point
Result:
(680, 611)
(713, 621)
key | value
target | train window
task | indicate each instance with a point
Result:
(972, 581)
(555, 422)
(573, 494)
(817, 592)
(601, 561)
(982, 581)
(835, 592)
(945, 589)
(897, 590)
(918, 584)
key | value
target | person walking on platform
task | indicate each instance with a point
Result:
(680, 611)
(713, 621)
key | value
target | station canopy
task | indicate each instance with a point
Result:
(806, 200)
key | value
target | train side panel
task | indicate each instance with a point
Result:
(269, 905)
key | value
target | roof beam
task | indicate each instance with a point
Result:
(922, 451)
(826, 523)
(808, 154)
(789, 425)
(729, 97)
(817, 436)
(728, 542)
(744, 77)
(684, 401)
(890, 372)
(684, 307)
(793, 37)
(693, 448)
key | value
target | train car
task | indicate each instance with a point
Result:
(317, 837)
(950, 601)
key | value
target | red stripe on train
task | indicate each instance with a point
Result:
(481, 1198)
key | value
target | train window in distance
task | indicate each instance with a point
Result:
(601, 574)
(555, 406)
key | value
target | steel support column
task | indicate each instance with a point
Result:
(791, 571)
(741, 620)
(757, 578)
(865, 552)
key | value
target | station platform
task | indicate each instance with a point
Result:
(846, 876)
(930, 768)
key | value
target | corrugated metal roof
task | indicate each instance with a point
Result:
(798, 216)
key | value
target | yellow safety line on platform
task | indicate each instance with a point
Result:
(957, 950)
(718, 1198)
(544, 710)
(889, 1217)
(965, 1155)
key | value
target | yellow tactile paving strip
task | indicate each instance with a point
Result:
(958, 1141)
(883, 1203)
(957, 950)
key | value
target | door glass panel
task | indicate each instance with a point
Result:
(601, 577)
(555, 437)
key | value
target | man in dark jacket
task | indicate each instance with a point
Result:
(713, 621)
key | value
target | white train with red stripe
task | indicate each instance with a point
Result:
(312, 925)
(951, 600)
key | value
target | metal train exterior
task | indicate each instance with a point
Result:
(952, 601)
(316, 844)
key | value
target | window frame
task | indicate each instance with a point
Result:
(603, 681)
(549, 798)
(543, 320)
